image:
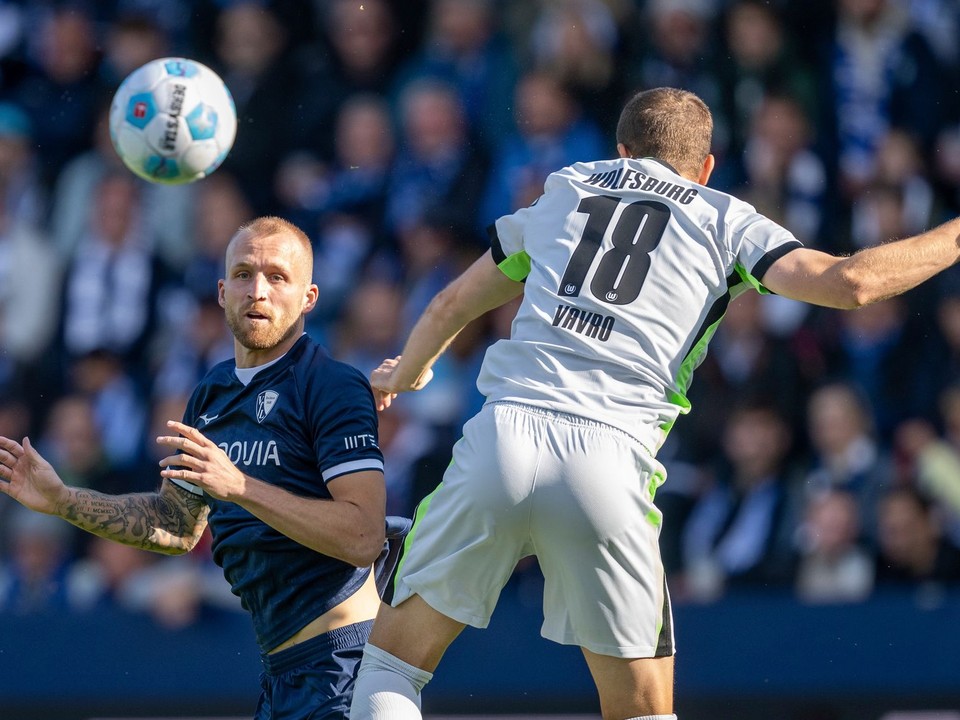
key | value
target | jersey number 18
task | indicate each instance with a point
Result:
(622, 268)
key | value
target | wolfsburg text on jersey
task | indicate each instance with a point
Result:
(634, 180)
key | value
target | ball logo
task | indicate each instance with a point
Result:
(570, 289)
(265, 402)
(611, 296)
(140, 110)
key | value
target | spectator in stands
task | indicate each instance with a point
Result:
(832, 565)
(738, 534)
(176, 594)
(759, 59)
(35, 579)
(432, 253)
(875, 350)
(130, 41)
(13, 23)
(911, 545)
(744, 355)
(165, 209)
(882, 74)
(781, 175)
(275, 94)
(578, 43)
(551, 132)
(203, 341)
(112, 576)
(115, 282)
(30, 271)
(363, 38)
(119, 405)
(72, 438)
(370, 325)
(938, 351)
(678, 52)
(438, 163)
(464, 49)
(412, 450)
(23, 200)
(901, 167)
(930, 460)
(63, 91)
(343, 201)
(845, 452)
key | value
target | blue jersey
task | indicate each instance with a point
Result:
(297, 424)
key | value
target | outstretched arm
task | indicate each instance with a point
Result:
(868, 276)
(481, 287)
(169, 521)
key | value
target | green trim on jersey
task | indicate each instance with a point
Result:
(516, 266)
(699, 351)
(655, 518)
(689, 364)
(749, 280)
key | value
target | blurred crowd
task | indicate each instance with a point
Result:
(822, 456)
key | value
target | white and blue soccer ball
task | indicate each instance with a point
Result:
(173, 121)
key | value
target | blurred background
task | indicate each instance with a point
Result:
(812, 510)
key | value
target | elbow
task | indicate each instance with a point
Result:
(365, 549)
(857, 291)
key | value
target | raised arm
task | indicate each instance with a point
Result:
(481, 287)
(868, 276)
(169, 521)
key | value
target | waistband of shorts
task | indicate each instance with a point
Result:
(341, 638)
(570, 419)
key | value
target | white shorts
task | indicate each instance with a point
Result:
(576, 493)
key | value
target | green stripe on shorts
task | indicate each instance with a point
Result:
(418, 514)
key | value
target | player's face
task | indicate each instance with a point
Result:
(265, 294)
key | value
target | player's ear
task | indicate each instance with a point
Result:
(311, 297)
(708, 164)
(623, 151)
(221, 301)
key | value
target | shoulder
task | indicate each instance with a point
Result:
(317, 371)
(218, 375)
(213, 383)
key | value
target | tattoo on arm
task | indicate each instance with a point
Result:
(169, 521)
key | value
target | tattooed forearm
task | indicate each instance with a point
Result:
(170, 521)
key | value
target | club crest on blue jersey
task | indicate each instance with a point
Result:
(265, 402)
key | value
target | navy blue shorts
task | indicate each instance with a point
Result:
(313, 680)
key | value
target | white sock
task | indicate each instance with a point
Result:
(654, 717)
(387, 688)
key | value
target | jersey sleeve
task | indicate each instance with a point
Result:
(758, 242)
(344, 423)
(506, 244)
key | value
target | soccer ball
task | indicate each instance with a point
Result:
(173, 121)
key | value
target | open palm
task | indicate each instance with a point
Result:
(27, 477)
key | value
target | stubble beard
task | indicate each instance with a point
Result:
(260, 338)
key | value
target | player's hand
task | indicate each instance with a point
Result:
(386, 384)
(200, 462)
(28, 478)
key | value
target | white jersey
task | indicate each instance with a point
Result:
(628, 267)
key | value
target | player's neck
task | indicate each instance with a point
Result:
(255, 357)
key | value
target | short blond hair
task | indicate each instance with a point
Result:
(272, 225)
(670, 124)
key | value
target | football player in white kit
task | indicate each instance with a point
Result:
(626, 267)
